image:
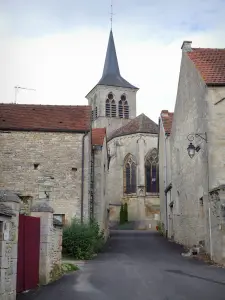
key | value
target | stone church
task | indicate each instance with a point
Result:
(85, 160)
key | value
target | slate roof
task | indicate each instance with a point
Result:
(111, 72)
(210, 63)
(45, 117)
(167, 120)
(98, 135)
(141, 124)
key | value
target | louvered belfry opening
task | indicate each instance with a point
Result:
(123, 107)
(110, 106)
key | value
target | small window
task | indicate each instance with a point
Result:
(60, 217)
(96, 112)
(36, 166)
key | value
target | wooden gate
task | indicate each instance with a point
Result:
(28, 253)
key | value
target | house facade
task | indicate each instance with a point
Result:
(196, 150)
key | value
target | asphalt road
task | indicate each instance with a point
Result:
(138, 265)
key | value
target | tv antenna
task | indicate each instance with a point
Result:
(17, 88)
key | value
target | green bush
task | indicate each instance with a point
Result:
(122, 214)
(82, 241)
(160, 227)
(125, 213)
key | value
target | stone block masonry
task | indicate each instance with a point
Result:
(9, 212)
(41, 165)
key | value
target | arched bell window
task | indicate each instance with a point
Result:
(123, 107)
(110, 106)
(152, 171)
(130, 170)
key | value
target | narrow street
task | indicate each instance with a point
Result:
(138, 265)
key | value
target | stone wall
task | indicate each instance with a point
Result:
(9, 212)
(100, 186)
(138, 145)
(189, 176)
(46, 165)
(56, 253)
(216, 135)
(50, 243)
(165, 179)
(162, 174)
(217, 206)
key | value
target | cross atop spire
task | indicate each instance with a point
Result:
(111, 13)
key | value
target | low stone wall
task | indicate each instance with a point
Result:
(9, 212)
(50, 243)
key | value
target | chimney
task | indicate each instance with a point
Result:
(186, 46)
(164, 113)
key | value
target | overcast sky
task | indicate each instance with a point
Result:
(58, 47)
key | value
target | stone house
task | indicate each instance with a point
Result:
(165, 180)
(99, 178)
(45, 153)
(197, 151)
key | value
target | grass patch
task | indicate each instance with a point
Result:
(67, 268)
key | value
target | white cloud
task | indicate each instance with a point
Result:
(63, 67)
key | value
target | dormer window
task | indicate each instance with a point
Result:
(123, 107)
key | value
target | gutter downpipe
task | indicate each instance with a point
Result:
(82, 180)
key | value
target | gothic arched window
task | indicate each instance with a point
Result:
(129, 174)
(123, 107)
(152, 171)
(110, 106)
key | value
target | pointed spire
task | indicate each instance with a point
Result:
(111, 63)
(111, 72)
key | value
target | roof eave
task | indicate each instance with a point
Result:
(124, 134)
(215, 84)
(45, 130)
(134, 88)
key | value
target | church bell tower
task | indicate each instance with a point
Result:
(113, 99)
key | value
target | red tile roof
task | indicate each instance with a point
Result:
(98, 135)
(167, 120)
(210, 63)
(44, 117)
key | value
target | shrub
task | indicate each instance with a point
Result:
(125, 213)
(82, 241)
(160, 227)
(122, 215)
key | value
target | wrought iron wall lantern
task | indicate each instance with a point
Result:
(191, 149)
